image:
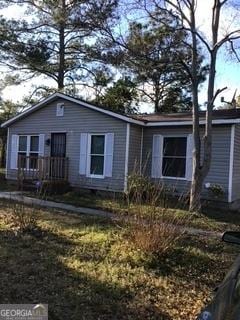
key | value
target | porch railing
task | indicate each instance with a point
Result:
(42, 168)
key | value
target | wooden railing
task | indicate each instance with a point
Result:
(42, 168)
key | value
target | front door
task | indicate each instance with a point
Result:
(58, 154)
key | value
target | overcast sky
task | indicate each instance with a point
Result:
(228, 70)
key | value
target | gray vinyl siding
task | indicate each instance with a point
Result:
(236, 165)
(76, 120)
(134, 160)
(219, 171)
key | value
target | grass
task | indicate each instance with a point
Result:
(210, 219)
(85, 268)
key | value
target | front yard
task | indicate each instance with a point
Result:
(209, 219)
(86, 268)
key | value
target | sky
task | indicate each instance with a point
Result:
(228, 70)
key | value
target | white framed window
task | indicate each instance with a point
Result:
(96, 155)
(28, 151)
(174, 157)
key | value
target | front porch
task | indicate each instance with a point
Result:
(38, 168)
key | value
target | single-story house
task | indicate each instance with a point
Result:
(95, 148)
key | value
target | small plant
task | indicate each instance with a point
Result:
(22, 218)
(142, 190)
(154, 236)
(216, 190)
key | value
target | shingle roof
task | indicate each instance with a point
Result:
(187, 116)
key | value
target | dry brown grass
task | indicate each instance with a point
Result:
(21, 218)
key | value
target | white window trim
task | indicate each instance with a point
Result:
(89, 175)
(28, 151)
(169, 177)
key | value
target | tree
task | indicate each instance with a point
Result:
(186, 11)
(120, 97)
(151, 54)
(7, 110)
(51, 40)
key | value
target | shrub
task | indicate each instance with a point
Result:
(154, 236)
(22, 218)
(142, 189)
(216, 190)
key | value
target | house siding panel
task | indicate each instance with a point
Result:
(236, 165)
(219, 171)
(76, 120)
(134, 160)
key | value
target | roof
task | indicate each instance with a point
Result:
(187, 116)
(221, 116)
(224, 116)
(79, 102)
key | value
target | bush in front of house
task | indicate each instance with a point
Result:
(51, 187)
(142, 190)
(216, 190)
(22, 218)
(152, 228)
(154, 235)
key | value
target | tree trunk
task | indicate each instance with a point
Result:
(196, 189)
(196, 186)
(157, 107)
(200, 171)
(61, 67)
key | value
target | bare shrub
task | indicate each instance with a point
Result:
(153, 226)
(155, 235)
(22, 218)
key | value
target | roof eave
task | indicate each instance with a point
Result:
(83, 103)
(112, 114)
(189, 122)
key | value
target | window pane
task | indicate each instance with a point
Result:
(174, 167)
(97, 145)
(97, 163)
(22, 143)
(175, 146)
(22, 161)
(34, 146)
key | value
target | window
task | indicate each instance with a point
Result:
(28, 150)
(60, 110)
(22, 151)
(97, 147)
(174, 157)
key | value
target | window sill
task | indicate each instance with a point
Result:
(174, 178)
(95, 176)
